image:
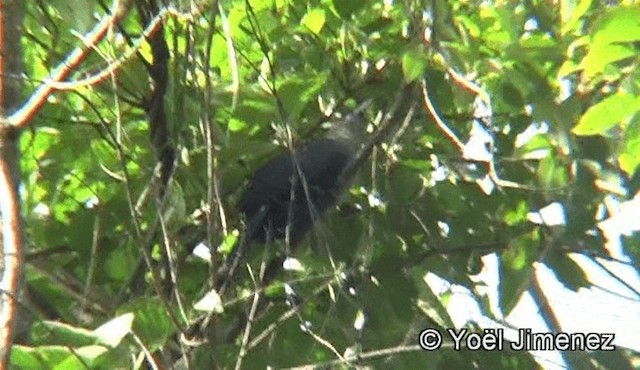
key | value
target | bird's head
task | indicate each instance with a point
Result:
(352, 127)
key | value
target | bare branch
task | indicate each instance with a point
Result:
(24, 115)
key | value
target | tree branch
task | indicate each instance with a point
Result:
(12, 239)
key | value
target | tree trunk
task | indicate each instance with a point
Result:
(11, 257)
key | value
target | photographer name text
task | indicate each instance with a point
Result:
(493, 340)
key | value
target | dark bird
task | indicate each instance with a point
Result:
(288, 194)
(291, 192)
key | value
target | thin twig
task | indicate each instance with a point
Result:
(448, 132)
(23, 116)
(436, 118)
(56, 79)
(247, 329)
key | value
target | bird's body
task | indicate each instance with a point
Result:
(294, 189)
(287, 195)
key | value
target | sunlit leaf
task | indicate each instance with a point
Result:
(571, 13)
(414, 63)
(112, 332)
(314, 20)
(61, 333)
(621, 24)
(609, 112)
(602, 55)
(609, 40)
(211, 302)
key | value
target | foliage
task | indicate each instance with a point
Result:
(548, 112)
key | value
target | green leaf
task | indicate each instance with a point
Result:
(538, 146)
(297, 92)
(552, 172)
(314, 20)
(63, 334)
(518, 215)
(236, 125)
(571, 13)
(229, 242)
(23, 357)
(418, 164)
(515, 269)
(611, 40)
(607, 113)
(80, 357)
(414, 63)
(55, 357)
(152, 323)
(346, 8)
(80, 14)
(621, 24)
(602, 55)
(567, 270)
(119, 263)
(511, 95)
(430, 304)
(628, 158)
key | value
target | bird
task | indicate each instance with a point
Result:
(285, 197)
